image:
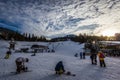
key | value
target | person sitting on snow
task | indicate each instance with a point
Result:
(59, 68)
(76, 55)
(20, 64)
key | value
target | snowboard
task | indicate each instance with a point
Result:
(68, 74)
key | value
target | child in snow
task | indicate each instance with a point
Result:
(8, 53)
(59, 68)
(101, 59)
(20, 63)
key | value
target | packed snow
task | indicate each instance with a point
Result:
(43, 64)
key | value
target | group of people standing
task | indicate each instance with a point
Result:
(100, 55)
(93, 56)
(82, 55)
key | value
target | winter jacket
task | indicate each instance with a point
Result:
(101, 56)
(93, 56)
(20, 61)
(59, 67)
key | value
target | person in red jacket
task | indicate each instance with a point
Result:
(101, 59)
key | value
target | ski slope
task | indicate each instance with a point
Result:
(42, 65)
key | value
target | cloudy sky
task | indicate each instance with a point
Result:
(54, 18)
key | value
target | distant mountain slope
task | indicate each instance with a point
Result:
(7, 33)
(6, 30)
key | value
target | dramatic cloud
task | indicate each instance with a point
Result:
(53, 18)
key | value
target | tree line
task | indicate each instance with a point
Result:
(8, 34)
(82, 38)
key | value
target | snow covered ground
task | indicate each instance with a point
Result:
(42, 65)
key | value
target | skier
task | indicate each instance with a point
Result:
(101, 59)
(59, 68)
(20, 64)
(8, 53)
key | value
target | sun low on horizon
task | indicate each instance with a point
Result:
(109, 32)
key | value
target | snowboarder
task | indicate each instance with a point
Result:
(8, 53)
(59, 68)
(20, 64)
(12, 44)
(101, 59)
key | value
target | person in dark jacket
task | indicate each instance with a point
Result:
(59, 68)
(93, 57)
(83, 55)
